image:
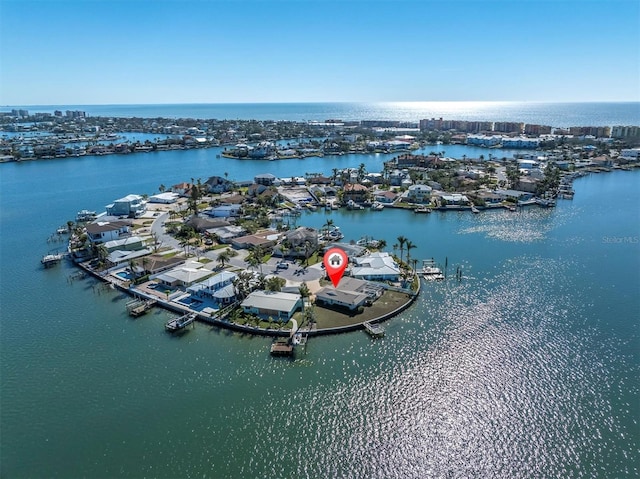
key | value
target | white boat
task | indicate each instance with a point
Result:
(430, 271)
(376, 206)
(51, 259)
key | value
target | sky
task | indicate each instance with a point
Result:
(73, 52)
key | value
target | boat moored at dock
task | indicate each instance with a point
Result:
(49, 260)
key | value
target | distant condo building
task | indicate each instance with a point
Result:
(621, 132)
(537, 129)
(508, 127)
(597, 131)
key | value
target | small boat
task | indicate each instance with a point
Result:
(422, 210)
(475, 210)
(430, 271)
(377, 206)
(62, 230)
(86, 215)
(51, 259)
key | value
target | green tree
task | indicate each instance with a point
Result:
(275, 283)
(255, 258)
(409, 245)
(224, 257)
(401, 242)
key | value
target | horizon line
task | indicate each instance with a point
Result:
(323, 102)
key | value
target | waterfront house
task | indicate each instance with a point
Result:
(454, 199)
(103, 231)
(164, 198)
(378, 266)
(419, 194)
(182, 189)
(386, 197)
(351, 293)
(355, 192)
(272, 304)
(157, 263)
(132, 206)
(527, 184)
(266, 179)
(329, 296)
(130, 243)
(183, 276)
(217, 184)
(298, 238)
(117, 257)
(219, 288)
(514, 195)
(225, 211)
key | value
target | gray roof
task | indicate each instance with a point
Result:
(348, 298)
(272, 300)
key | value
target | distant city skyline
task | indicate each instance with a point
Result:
(195, 51)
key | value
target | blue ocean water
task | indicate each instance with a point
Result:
(528, 367)
(553, 114)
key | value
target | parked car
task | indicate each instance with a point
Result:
(282, 265)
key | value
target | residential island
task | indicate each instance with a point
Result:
(233, 253)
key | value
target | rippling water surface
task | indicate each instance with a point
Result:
(526, 368)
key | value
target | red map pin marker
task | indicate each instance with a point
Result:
(335, 261)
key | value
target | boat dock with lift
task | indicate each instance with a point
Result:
(374, 330)
(183, 321)
(430, 271)
(286, 346)
(138, 307)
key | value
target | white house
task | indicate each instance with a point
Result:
(455, 199)
(378, 266)
(224, 211)
(164, 198)
(184, 276)
(219, 288)
(630, 154)
(131, 206)
(272, 304)
(419, 194)
(103, 231)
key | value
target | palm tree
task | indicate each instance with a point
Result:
(382, 244)
(401, 242)
(255, 258)
(308, 249)
(304, 293)
(224, 257)
(409, 245)
(328, 225)
(362, 169)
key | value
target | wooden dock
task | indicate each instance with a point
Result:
(183, 321)
(138, 307)
(374, 330)
(282, 347)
